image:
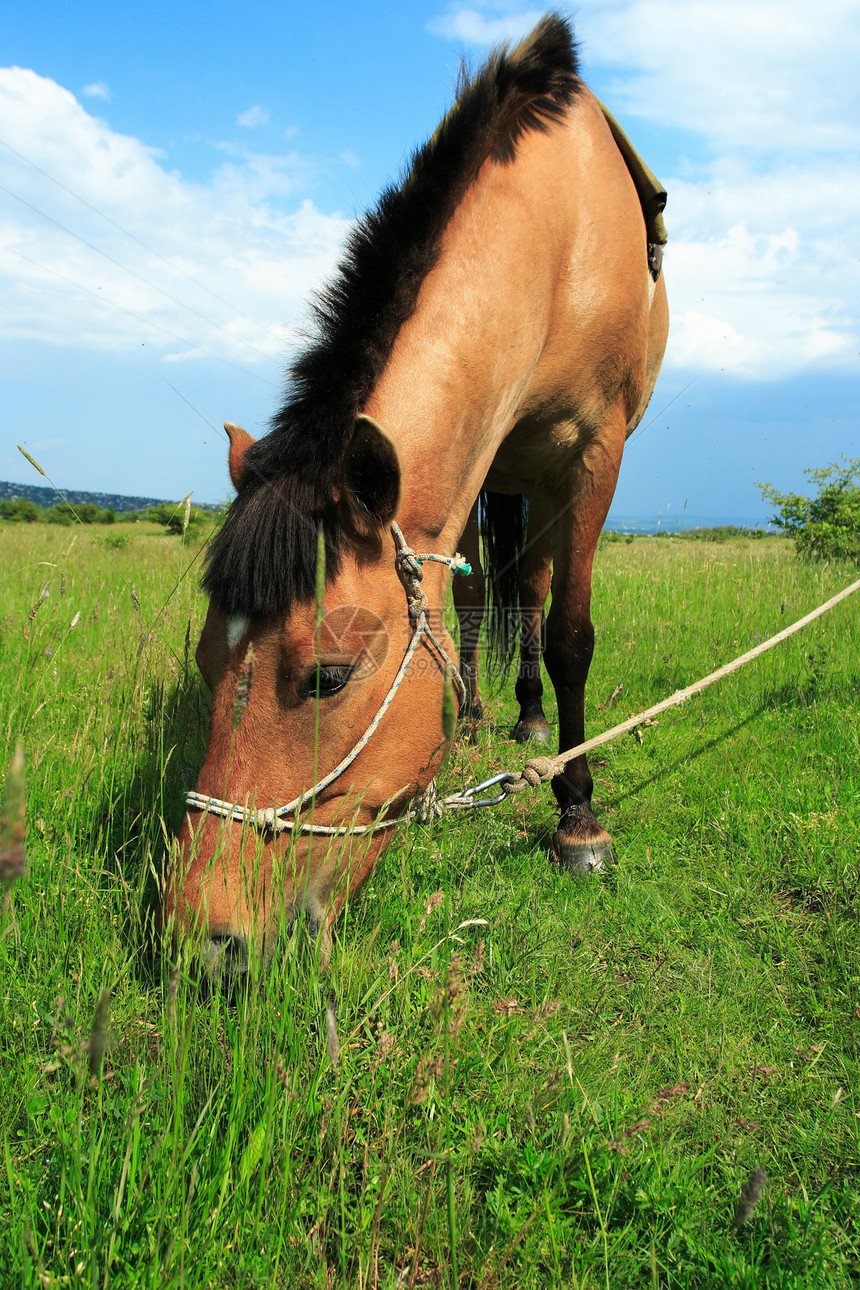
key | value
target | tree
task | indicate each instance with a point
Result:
(173, 516)
(825, 527)
(79, 512)
(20, 509)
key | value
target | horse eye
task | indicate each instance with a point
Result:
(331, 680)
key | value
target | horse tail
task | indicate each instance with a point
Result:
(502, 520)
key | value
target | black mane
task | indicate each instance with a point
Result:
(264, 557)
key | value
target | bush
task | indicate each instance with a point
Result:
(85, 512)
(59, 515)
(825, 527)
(20, 510)
(172, 516)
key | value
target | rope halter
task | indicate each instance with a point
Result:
(277, 819)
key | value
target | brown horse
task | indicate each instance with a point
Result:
(498, 324)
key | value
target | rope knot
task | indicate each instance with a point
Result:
(410, 565)
(410, 573)
(426, 807)
(538, 770)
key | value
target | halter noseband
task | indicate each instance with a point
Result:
(409, 569)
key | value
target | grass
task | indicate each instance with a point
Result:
(526, 1078)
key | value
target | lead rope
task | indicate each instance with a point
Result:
(536, 771)
(410, 571)
(540, 770)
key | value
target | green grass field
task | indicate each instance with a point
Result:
(509, 1076)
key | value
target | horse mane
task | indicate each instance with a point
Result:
(264, 557)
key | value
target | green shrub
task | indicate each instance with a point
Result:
(825, 527)
(66, 513)
(59, 515)
(172, 516)
(20, 510)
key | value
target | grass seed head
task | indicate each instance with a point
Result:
(12, 821)
(32, 460)
(750, 1197)
(43, 596)
(433, 903)
(172, 989)
(449, 706)
(428, 1069)
(320, 579)
(384, 1047)
(243, 687)
(453, 997)
(332, 1041)
(97, 1042)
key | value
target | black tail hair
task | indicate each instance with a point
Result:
(503, 521)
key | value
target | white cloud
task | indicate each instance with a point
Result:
(771, 257)
(239, 238)
(473, 26)
(774, 74)
(253, 117)
(764, 209)
(98, 90)
(762, 267)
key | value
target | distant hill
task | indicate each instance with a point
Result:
(113, 501)
(119, 503)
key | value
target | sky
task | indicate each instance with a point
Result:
(176, 180)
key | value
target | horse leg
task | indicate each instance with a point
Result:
(469, 603)
(580, 843)
(534, 578)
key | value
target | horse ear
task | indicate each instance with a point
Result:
(240, 442)
(371, 478)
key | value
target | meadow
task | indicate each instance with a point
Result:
(509, 1076)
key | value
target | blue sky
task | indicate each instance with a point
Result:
(176, 180)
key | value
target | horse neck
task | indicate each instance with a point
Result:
(462, 365)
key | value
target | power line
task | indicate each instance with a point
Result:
(128, 233)
(219, 358)
(174, 300)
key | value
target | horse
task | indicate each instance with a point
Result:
(492, 337)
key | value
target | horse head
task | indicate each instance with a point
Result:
(326, 720)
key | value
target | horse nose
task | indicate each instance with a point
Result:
(225, 962)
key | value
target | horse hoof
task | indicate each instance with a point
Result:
(523, 733)
(583, 858)
(318, 929)
(224, 958)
